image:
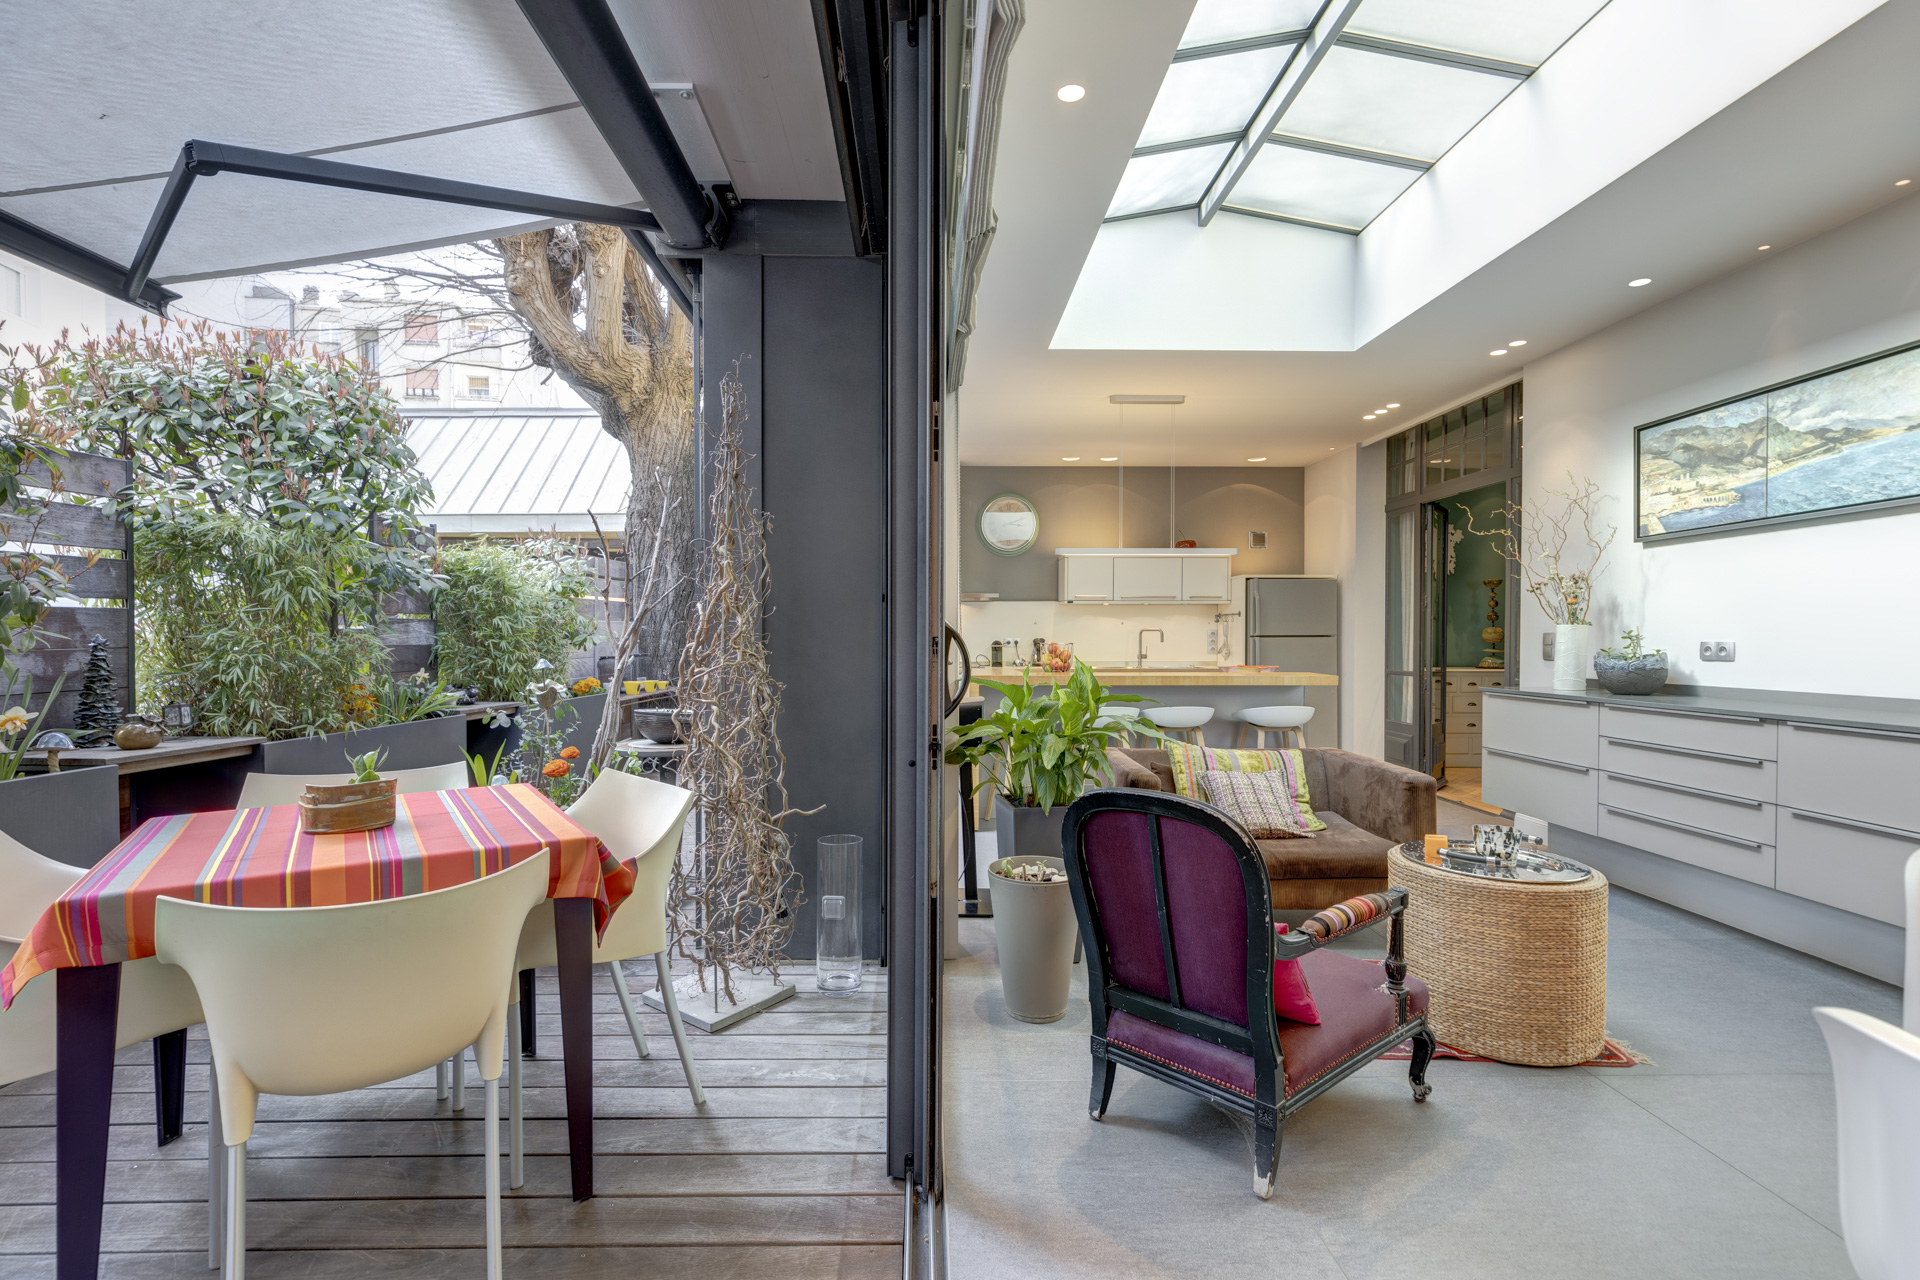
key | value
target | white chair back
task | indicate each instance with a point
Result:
(28, 884)
(1910, 1006)
(312, 1000)
(1876, 1083)
(258, 790)
(641, 819)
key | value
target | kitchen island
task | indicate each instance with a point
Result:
(1192, 684)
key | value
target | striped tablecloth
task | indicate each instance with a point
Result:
(261, 858)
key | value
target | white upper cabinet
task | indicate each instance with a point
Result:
(1086, 579)
(1206, 578)
(1145, 577)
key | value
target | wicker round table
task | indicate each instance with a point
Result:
(1516, 965)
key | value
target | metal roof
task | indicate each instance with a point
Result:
(520, 471)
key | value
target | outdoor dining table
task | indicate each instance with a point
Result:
(262, 858)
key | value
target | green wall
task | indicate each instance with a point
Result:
(1476, 559)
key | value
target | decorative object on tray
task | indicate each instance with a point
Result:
(1631, 668)
(364, 804)
(1515, 955)
(1558, 547)
(99, 712)
(177, 717)
(1493, 634)
(138, 733)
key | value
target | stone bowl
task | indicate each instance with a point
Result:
(1644, 674)
(657, 724)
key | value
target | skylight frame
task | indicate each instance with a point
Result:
(1311, 48)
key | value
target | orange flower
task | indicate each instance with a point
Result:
(569, 753)
(557, 769)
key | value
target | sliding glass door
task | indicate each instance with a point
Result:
(1404, 733)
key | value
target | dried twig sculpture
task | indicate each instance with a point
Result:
(732, 906)
(1541, 538)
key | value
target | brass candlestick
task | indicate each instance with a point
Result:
(1494, 636)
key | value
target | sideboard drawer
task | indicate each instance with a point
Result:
(1463, 701)
(1727, 734)
(1852, 773)
(1544, 728)
(1550, 790)
(1730, 856)
(1461, 680)
(1855, 866)
(1732, 775)
(1703, 810)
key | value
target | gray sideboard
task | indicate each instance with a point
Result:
(1788, 815)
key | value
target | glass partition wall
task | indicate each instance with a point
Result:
(1431, 468)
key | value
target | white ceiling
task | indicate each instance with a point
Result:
(99, 96)
(1812, 146)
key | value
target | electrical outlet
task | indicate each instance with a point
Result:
(1716, 650)
(1213, 640)
(1546, 647)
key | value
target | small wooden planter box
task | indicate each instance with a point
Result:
(351, 806)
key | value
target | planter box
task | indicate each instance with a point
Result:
(1021, 832)
(584, 724)
(414, 745)
(72, 816)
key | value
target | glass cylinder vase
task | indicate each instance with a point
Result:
(836, 952)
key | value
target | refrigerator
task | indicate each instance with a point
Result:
(1292, 622)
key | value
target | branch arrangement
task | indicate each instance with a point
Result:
(732, 907)
(1558, 549)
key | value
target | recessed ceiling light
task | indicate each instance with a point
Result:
(1903, 182)
(1765, 247)
(1332, 449)
(1518, 342)
(1379, 411)
(1498, 351)
(1393, 406)
(1074, 458)
(1368, 417)
(1070, 93)
(1256, 459)
(1110, 459)
(1635, 284)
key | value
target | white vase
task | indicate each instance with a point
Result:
(1572, 656)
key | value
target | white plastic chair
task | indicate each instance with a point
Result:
(1290, 722)
(154, 998)
(638, 819)
(315, 1000)
(1876, 1084)
(258, 790)
(1182, 722)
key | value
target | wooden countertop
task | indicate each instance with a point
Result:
(170, 752)
(1164, 677)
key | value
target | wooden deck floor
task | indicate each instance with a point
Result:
(782, 1175)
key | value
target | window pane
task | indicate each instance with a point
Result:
(1217, 21)
(1517, 30)
(1168, 180)
(1392, 104)
(1323, 188)
(1496, 445)
(1456, 437)
(1471, 459)
(1210, 96)
(423, 329)
(1475, 412)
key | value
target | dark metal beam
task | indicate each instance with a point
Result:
(675, 282)
(208, 158)
(44, 249)
(586, 43)
(789, 229)
(852, 38)
(172, 196)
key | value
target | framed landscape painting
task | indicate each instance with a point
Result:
(1843, 438)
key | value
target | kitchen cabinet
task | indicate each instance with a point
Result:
(1146, 577)
(1098, 577)
(1086, 579)
(1206, 578)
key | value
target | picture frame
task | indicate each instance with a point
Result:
(1843, 440)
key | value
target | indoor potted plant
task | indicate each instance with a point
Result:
(1631, 668)
(1038, 751)
(1558, 549)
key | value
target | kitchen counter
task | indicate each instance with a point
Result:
(1168, 677)
(1896, 715)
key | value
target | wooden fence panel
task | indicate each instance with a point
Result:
(82, 473)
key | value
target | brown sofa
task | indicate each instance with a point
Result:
(1368, 805)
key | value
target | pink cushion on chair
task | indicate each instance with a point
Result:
(1291, 997)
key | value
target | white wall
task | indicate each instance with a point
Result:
(1828, 607)
(50, 302)
(1346, 537)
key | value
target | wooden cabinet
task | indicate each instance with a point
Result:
(1146, 578)
(1463, 713)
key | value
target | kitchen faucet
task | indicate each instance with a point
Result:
(1143, 642)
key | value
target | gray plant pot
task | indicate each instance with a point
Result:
(413, 745)
(1644, 674)
(1034, 927)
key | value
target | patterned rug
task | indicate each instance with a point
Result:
(1613, 1053)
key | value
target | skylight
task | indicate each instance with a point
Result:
(1323, 113)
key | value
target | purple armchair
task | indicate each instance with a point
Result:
(1174, 905)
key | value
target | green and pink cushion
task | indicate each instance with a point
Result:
(1267, 804)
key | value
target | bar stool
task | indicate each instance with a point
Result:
(1182, 722)
(1289, 722)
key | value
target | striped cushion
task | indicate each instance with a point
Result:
(1189, 762)
(1264, 803)
(1342, 916)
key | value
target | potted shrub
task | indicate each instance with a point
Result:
(1631, 668)
(1038, 751)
